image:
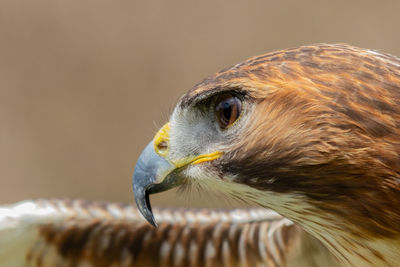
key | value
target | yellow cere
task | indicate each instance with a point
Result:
(161, 147)
(161, 141)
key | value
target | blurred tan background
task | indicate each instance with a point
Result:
(84, 85)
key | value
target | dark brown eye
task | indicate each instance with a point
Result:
(227, 109)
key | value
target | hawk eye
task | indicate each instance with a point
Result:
(227, 109)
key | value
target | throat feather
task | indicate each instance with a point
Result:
(346, 242)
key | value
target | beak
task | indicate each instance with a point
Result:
(150, 170)
(154, 173)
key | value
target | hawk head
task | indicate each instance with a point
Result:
(311, 132)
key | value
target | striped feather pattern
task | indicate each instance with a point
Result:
(82, 233)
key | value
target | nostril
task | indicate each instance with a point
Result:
(161, 141)
(162, 146)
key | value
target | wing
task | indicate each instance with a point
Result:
(81, 233)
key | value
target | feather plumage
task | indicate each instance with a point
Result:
(80, 233)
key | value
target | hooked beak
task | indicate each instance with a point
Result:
(150, 169)
(154, 173)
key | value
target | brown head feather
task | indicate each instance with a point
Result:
(326, 124)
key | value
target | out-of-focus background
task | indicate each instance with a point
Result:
(84, 85)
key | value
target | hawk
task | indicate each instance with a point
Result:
(311, 132)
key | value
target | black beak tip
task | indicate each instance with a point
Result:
(149, 213)
(143, 203)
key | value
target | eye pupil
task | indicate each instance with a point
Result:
(227, 109)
